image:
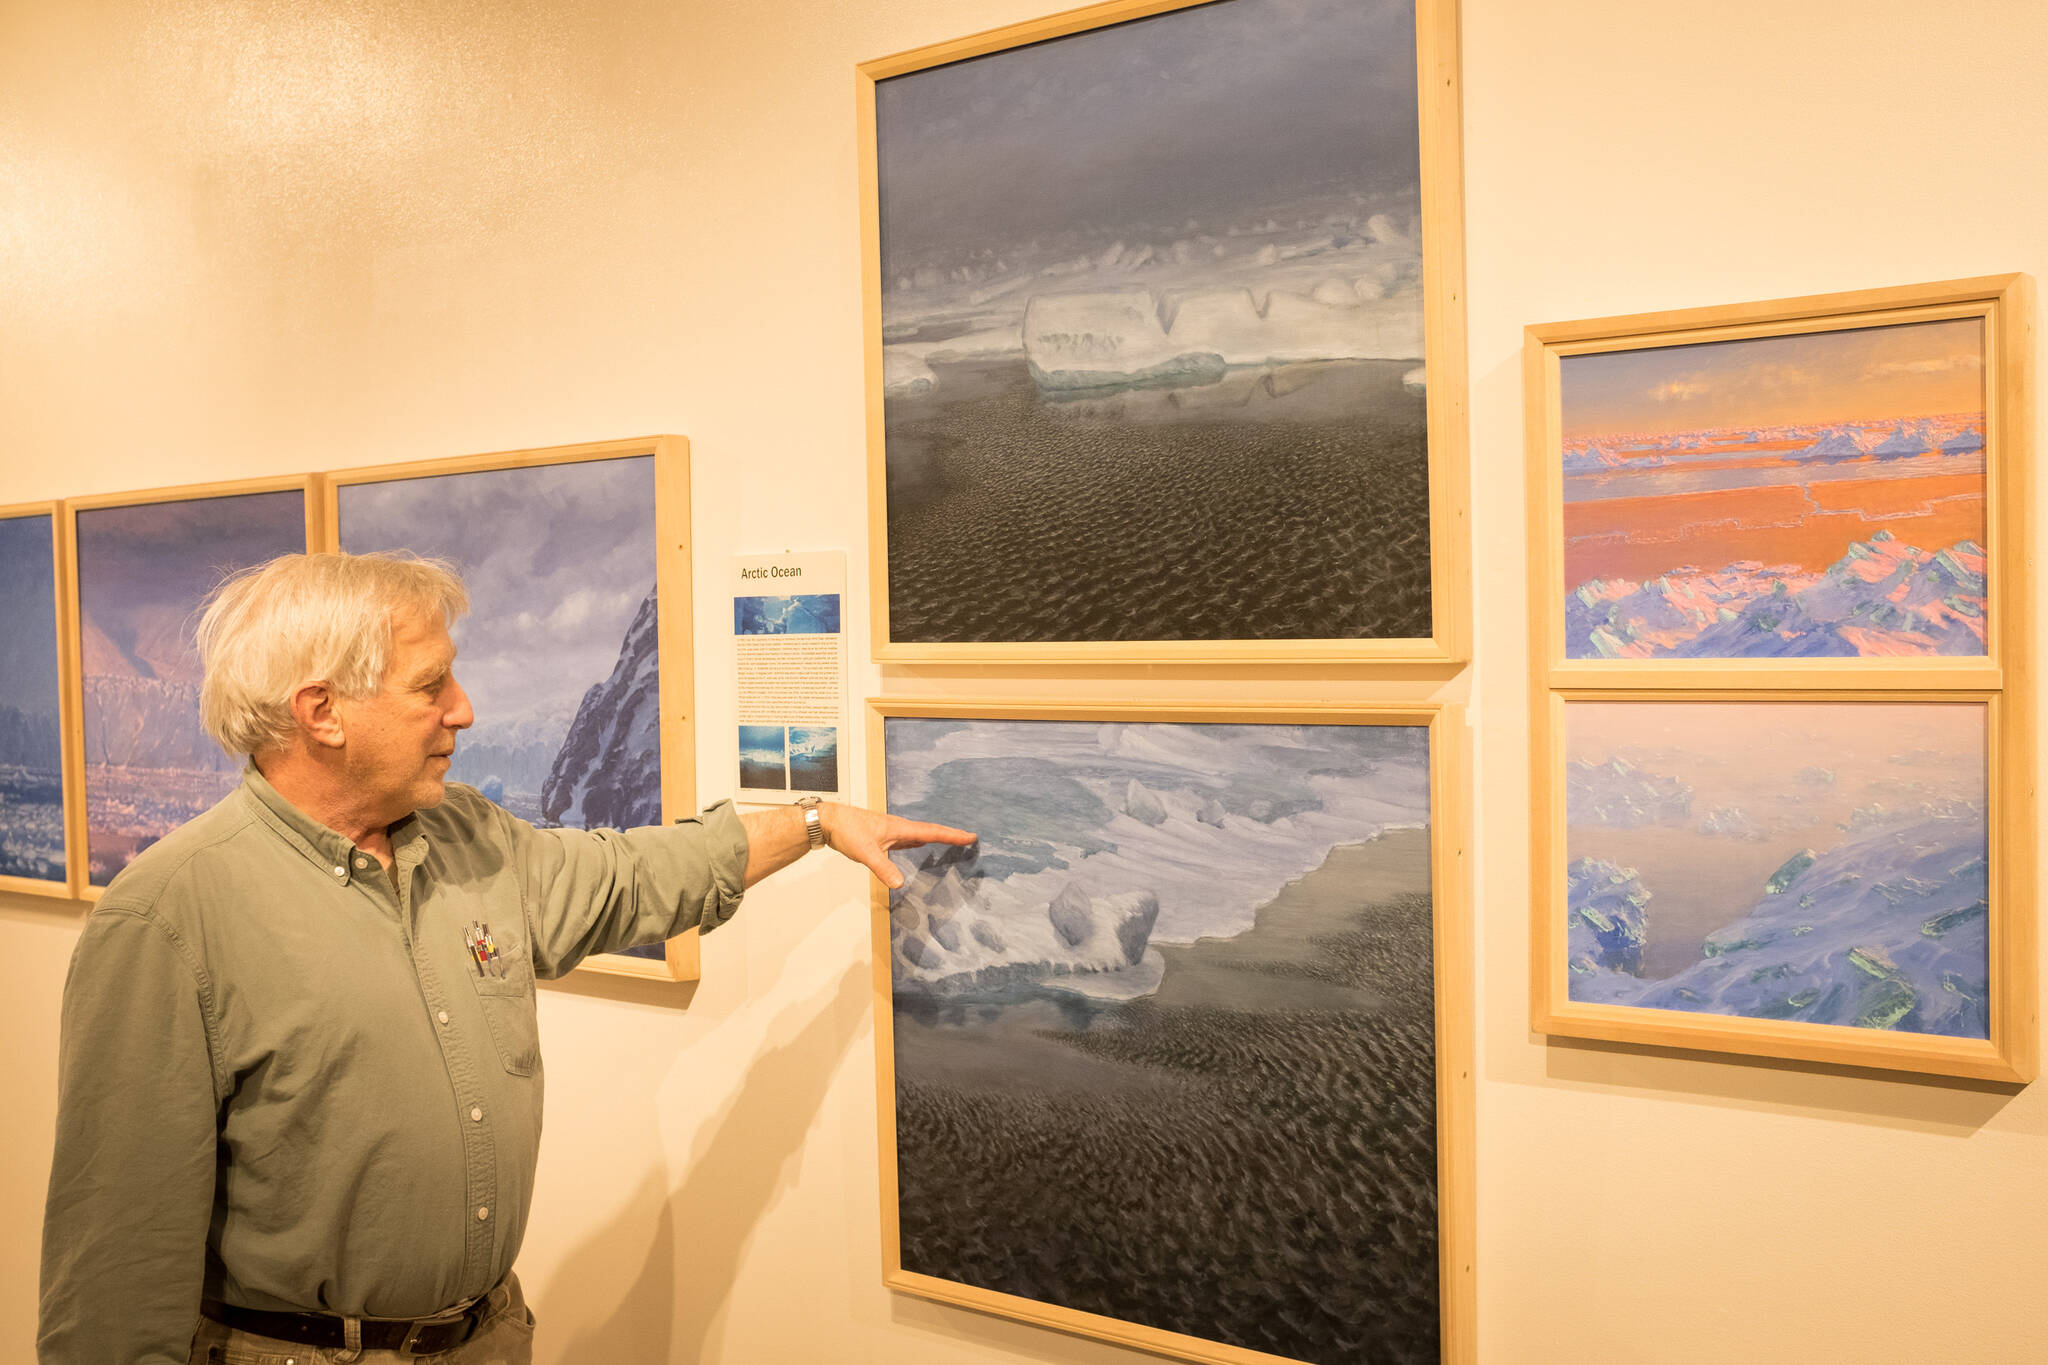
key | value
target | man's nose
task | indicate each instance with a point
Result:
(459, 716)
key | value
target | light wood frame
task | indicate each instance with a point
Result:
(2002, 679)
(671, 455)
(2007, 1054)
(1449, 862)
(306, 485)
(1443, 249)
(68, 725)
(2004, 302)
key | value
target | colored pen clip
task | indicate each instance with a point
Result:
(483, 950)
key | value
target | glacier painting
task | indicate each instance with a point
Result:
(1152, 332)
(559, 652)
(802, 614)
(143, 573)
(1820, 862)
(31, 765)
(1163, 1038)
(1802, 496)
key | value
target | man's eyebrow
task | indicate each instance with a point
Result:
(429, 671)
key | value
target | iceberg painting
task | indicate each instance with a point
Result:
(1163, 1041)
(144, 571)
(1151, 310)
(1809, 495)
(31, 751)
(1816, 862)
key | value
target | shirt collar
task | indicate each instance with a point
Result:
(336, 857)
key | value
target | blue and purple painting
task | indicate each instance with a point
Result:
(803, 614)
(1152, 332)
(764, 758)
(31, 752)
(144, 573)
(1819, 862)
(558, 652)
(1164, 1039)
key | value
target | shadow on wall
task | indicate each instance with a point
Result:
(673, 1308)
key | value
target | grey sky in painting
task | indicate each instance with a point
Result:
(1205, 113)
(143, 571)
(28, 616)
(557, 558)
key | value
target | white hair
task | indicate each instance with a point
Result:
(269, 630)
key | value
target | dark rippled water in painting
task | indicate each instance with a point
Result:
(1284, 504)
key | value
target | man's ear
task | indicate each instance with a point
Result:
(313, 707)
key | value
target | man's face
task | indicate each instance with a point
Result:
(400, 739)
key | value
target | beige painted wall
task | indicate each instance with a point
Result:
(240, 237)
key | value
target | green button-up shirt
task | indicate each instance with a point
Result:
(286, 1082)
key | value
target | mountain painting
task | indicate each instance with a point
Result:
(31, 753)
(559, 652)
(1818, 862)
(144, 572)
(1811, 495)
(1163, 1040)
(1152, 332)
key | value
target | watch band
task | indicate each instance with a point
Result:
(814, 822)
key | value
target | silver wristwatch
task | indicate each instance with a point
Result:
(814, 821)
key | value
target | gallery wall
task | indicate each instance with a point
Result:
(240, 239)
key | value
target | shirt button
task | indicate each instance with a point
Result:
(442, 1016)
(362, 862)
(341, 872)
(482, 1214)
(476, 1114)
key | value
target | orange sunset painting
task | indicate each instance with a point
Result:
(1805, 496)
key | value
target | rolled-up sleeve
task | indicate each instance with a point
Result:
(600, 890)
(131, 1188)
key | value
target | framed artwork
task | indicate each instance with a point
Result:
(1824, 876)
(37, 680)
(1165, 336)
(1782, 654)
(1823, 483)
(576, 649)
(141, 566)
(1176, 1055)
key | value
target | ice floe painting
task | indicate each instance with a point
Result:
(144, 572)
(1818, 494)
(1163, 1043)
(1820, 862)
(1152, 332)
(31, 747)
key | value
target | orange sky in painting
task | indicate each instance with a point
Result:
(1858, 374)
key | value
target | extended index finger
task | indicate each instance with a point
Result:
(907, 832)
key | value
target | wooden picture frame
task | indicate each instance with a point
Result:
(63, 702)
(670, 553)
(167, 621)
(1838, 950)
(2000, 307)
(1905, 409)
(1182, 576)
(1438, 859)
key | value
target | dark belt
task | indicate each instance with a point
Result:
(413, 1337)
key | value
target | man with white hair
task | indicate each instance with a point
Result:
(299, 1098)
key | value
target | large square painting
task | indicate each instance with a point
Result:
(1150, 332)
(32, 844)
(1159, 1060)
(144, 572)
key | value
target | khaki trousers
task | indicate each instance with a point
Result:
(504, 1338)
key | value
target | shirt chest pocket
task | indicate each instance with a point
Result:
(504, 991)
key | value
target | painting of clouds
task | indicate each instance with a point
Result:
(1163, 1039)
(143, 574)
(1152, 332)
(764, 758)
(1803, 496)
(31, 762)
(813, 758)
(1820, 862)
(558, 652)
